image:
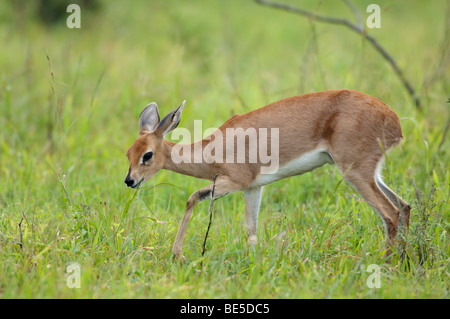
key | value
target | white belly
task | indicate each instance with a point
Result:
(305, 163)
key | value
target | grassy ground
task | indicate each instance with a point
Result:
(69, 103)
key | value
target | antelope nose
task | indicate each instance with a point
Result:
(129, 182)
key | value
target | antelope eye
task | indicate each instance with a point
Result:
(147, 156)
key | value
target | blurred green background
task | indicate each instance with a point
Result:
(69, 104)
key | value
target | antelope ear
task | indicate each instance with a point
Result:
(170, 121)
(149, 118)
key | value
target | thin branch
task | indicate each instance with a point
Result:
(20, 233)
(358, 29)
(211, 206)
(311, 15)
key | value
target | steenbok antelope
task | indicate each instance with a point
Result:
(348, 128)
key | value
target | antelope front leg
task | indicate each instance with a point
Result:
(195, 198)
(252, 198)
(223, 186)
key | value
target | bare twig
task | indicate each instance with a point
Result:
(211, 206)
(20, 233)
(356, 28)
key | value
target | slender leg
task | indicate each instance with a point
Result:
(403, 219)
(195, 198)
(223, 187)
(252, 201)
(397, 201)
(361, 170)
(388, 213)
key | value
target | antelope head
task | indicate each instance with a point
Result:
(147, 155)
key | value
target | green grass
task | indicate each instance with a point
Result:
(63, 140)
